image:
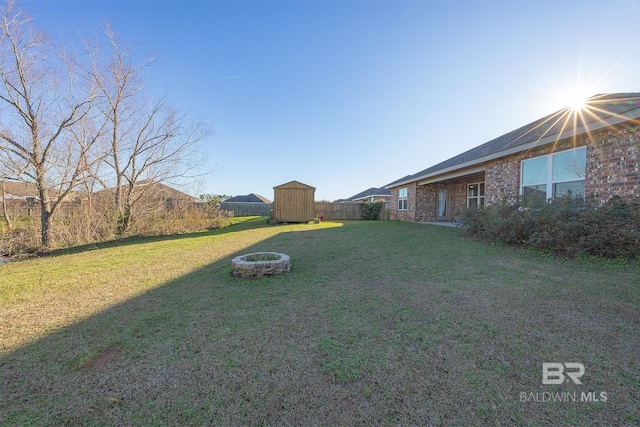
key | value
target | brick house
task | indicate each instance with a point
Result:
(592, 151)
(22, 199)
(150, 197)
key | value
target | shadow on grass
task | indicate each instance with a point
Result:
(388, 325)
(170, 355)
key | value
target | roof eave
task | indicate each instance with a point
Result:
(581, 130)
(370, 196)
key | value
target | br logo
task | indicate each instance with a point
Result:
(554, 373)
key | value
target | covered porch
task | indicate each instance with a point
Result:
(442, 199)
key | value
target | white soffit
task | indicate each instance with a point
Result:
(458, 173)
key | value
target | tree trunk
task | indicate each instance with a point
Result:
(120, 226)
(4, 209)
(126, 217)
(46, 213)
(46, 219)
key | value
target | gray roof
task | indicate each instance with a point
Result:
(371, 192)
(249, 198)
(600, 111)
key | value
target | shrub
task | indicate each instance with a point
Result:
(19, 240)
(181, 219)
(506, 222)
(567, 227)
(371, 210)
(78, 224)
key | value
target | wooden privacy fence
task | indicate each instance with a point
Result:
(347, 210)
(248, 208)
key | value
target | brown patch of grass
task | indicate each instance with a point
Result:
(100, 359)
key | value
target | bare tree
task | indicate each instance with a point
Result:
(45, 103)
(149, 142)
(65, 116)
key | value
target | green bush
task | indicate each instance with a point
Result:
(567, 227)
(371, 210)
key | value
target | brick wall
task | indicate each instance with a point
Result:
(502, 179)
(426, 203)
(612, 164)
(612, 169)
(422, 199)
(502, 176)
(410, 213)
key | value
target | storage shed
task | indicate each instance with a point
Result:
(294, 202)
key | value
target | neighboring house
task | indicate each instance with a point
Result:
(22, 198)
(593, 151)
(150, 195)
(371, 195)
(249, 198)
(249, 205)
(19, 190)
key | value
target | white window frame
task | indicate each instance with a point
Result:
(478, 197)
(403, 198)
(549, 179)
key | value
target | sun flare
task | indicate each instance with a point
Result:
(576, 101)
(574, 97)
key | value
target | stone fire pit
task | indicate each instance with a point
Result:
(260, 264)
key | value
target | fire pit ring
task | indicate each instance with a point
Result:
(260, 264)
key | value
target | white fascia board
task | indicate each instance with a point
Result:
(456, 174)
(425, 179)
(370, 196)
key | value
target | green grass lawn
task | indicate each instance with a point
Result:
(378, 323)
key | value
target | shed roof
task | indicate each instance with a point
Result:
(600, 111)
(294, 184)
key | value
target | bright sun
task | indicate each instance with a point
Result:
(575, 97)
(576, 101)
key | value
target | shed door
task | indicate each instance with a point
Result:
(442, 205)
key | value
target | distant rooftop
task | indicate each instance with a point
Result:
(249, 198)
(373, 191)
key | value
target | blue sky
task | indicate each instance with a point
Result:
(349, 95)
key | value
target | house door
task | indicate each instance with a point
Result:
(442, 205)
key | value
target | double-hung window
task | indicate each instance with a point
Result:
(402, 199)
(475, 195)
(554, 175)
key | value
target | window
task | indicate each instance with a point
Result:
(402, 199)
(475, 195)
(554, 176)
